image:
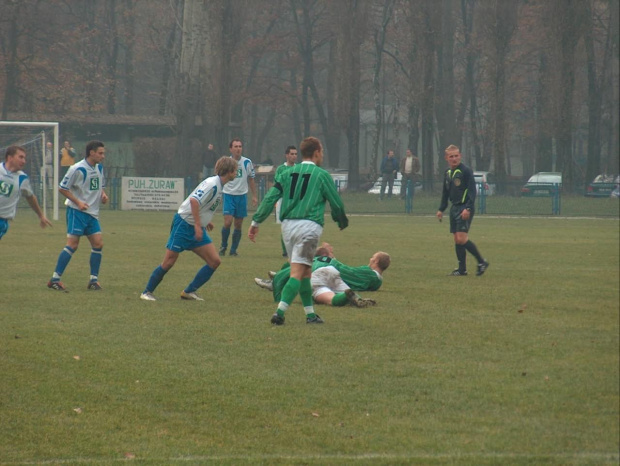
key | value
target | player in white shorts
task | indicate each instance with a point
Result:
(83, 188)
(189, 231)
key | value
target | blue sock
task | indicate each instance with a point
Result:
(156, 277)
(225, 235)
(63, 260)
(95, 262)
(236, 239)
(202, 277)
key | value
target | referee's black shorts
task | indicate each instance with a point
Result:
(457, 224)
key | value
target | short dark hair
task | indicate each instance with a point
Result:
(12, 150)
(289, 149)
(233, 140)
(93, 145)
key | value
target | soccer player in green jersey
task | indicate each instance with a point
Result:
(363, 278)
(304, 190)
(290, 155)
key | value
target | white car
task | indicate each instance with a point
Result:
(486, 180)
(376, 188)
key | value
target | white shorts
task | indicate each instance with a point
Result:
(301, 238)
(327, 279)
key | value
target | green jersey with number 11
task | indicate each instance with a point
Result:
(304, 189)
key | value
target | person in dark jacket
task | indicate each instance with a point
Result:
(389, 169)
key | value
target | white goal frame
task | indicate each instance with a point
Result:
(56, 143)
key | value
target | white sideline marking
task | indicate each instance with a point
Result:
(615, 457)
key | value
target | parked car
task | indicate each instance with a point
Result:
(542, 184)
(602, 186)
(485, 180)
(376, 187)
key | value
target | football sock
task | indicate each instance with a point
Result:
(95, 262)
(236, 239)
(63, 260)
(225, 235)
(471, 247)
(340, 299)
(461, 255)
(202, 277)
(288, 294)
(156, 277)
(305, 292)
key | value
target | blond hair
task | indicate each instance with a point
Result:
(225, 165)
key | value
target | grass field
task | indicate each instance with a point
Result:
(520, 366)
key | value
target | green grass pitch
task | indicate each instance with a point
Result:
(519, 366)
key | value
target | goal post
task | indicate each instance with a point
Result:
(54, 128)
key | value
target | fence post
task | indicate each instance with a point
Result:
(114, 184)
(408, 196)
(261, 188)
(482, 199)
(556, 200)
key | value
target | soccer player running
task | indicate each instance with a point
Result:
(83, 188)
(459, 186)
(304, 189)
(13, 183)
(236, 198)
(189, 231)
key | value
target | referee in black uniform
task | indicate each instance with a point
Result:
(459, 186)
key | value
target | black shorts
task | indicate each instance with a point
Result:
(457, 224)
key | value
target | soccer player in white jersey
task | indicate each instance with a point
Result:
(13, 183)
(235, 198)
(83, 188)
(304, 189)
(189, 231)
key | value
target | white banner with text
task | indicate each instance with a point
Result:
(144, 193)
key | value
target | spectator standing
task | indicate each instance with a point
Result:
(49, 165)
(460, 188)
(236, 198)
(389, 169)
(13, 183)
(208, 161)
(67, 158)
(83, 188)
(409, 168)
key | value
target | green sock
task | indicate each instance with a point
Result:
(340, 299)
(305, 292)
(290, 290)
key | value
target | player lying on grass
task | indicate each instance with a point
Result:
(189, 231)
(331, 279)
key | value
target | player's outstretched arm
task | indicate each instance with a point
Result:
(34, 205)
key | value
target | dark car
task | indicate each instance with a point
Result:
(602, 186)
(542, 184)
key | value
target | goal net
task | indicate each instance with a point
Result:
(40, 140)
